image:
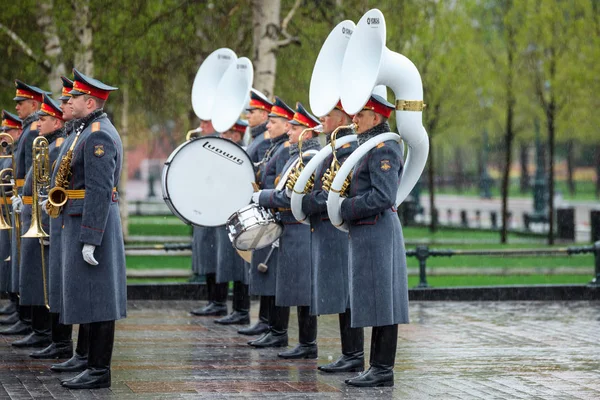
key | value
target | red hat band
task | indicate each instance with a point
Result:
(66, 90)
(51, 111)
(92, 91)
(304, 120)
(259, 104)
(11, 124)
(281, 112)
(378, 108)
(29, 94)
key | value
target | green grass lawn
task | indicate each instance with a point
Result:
(486, 280)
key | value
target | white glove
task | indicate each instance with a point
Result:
(256, 196)
(275, 243)
(288, 192)
(17, 204)
(45, 241)
(88, 254)
(43, 205)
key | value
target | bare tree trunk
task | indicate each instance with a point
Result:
(123, 204)
(84, 56)
(52, 47)
(524, 160)
(571, 167)
(267, 31)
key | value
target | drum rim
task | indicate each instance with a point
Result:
(166, 195)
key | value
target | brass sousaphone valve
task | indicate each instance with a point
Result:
(297, 170)
(329, 175)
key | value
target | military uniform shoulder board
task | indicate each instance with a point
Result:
(95, 126)
(277, 179)
(34, 126)
(286, 144)
(59, 141)
(346, 146)
(380, 145)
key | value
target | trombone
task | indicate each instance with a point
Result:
(40, 182)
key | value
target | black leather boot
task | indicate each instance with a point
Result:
(40, 324)
(277, 335)
(241, 307)
(78, 362)
(62, 344)
(11, 307)
(307, 335)
(210, 293)
(11, 319)
(97, 374)
(353, 355)
(216, 306)
(384, 340)
(262, 325)
(23, 325)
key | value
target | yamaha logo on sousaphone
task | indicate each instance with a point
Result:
(223, 153)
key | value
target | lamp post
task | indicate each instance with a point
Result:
(485, 180)
(540, 183)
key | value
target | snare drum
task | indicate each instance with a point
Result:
(207, 179)
(253, 227)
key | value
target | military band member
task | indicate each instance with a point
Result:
(93, 253)
(230, 266)
(33, 283)
(329, 248)
(29, 100)
(378, 276)
(263, 283)
(204, 255)
(258, 117)
(11, 124)
(294, 258)
(62, 344)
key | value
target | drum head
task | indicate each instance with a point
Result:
(258, 237)
(206, 180)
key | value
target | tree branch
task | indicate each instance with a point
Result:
(283, 29)
(45, 64)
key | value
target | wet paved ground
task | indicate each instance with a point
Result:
(451, 350)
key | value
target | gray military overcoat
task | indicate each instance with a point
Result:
(94, 293)
(230, 266)
(23, 159)
(31, 279)
(378, 276)
(329, 245)
(263, 283)
(294, 276)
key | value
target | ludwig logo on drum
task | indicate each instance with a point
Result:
(223, 153)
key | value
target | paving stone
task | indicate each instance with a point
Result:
(451, 350)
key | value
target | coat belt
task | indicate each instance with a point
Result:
(20, 182)
(27, 200)
(77, 194)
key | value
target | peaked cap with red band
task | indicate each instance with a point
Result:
(85, 85)
(281, 110)
(339, 106)
(240, 126)
(259, 101)
(51, 108)
(379, 105)
(66, 89)
(28, 92)
(303, 117)
(10, 121)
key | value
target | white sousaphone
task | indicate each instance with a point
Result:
(206, 179)
(367, 63)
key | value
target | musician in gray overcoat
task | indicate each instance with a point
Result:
(258, 117)
(293, 283)
(11, 125)
(29, 100)
(378, 276)
(263, 282)
(230, 265)
(94, 287)
(62, 343)
(33, 279)
(204, 256)
(329, 249)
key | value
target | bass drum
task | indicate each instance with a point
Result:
(207, 179)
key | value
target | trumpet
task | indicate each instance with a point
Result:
(329, 175)
(40, 183)
(299, 166)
